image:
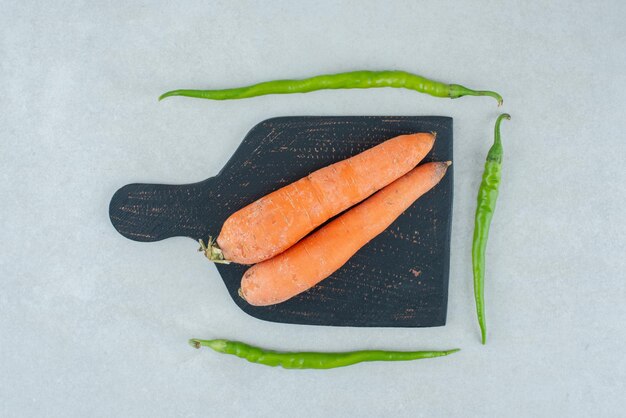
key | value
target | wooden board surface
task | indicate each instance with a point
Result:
(399, 279)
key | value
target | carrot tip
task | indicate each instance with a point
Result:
(434, 134)
(240, 293)
(448, 163)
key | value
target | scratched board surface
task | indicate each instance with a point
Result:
(399, 279)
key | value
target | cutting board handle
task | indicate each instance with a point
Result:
(152, 212)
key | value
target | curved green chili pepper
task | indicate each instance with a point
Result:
(311, 360)
(487, 196)
(350, 80)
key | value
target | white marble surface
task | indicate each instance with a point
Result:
(94, 324)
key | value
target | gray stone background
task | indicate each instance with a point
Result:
(94, 324)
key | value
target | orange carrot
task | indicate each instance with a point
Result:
(278, 220)
(326, 250)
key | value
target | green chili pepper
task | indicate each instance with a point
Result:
(351, 80)
(487, 196)
(311, 360)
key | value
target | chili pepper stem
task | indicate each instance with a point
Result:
(170, 94)
(212, 251)
(456, 91)
(495, 152)
(217, 345)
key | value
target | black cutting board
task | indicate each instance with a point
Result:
(399, 279)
